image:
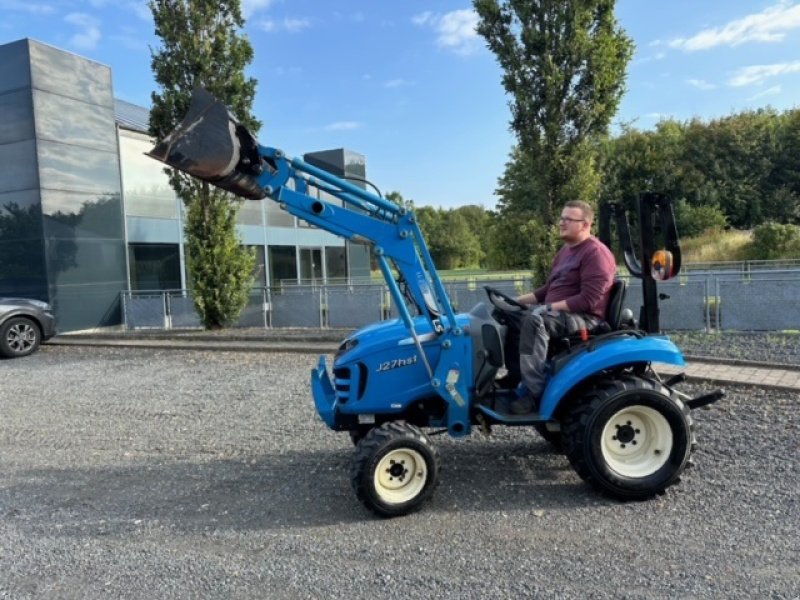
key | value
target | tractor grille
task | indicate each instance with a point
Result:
(350, 382)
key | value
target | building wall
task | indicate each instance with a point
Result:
(66, 175)
(22, 263)
(84, 214)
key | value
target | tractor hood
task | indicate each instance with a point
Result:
(389, 335)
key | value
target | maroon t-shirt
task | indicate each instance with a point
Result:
(582, 275)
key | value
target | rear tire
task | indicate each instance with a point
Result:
(19, 336)
(394, 469)
(631, 437)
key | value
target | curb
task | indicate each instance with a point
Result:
(737, 362)
(305, 347)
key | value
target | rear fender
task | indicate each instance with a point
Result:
(614, 353)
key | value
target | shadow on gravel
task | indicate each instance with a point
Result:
(275, 492)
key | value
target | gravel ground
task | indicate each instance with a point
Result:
(776, 348)
(141, 473)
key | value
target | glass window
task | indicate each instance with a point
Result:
(22, 271)
(277, 217)
(18, 166)
(259, 272)
(79, 215)
(282, 264)
(336, 263)
(63, 119)
(70, 75)
(20, 217)
(154, 267)
(250, 212)
(67, 167)
(310, 264)
(81, 260)
(17, 121)
(145, 185)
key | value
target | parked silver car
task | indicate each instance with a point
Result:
(24, 325)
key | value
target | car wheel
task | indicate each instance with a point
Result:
(19, 336)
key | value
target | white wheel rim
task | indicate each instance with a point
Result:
(637, 441)
(400, 476)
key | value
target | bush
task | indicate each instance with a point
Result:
(775, 240)
(692, 220)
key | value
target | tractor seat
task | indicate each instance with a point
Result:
(611, 323)
(616, 301)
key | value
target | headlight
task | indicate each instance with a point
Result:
(346, 346)
(41, 305)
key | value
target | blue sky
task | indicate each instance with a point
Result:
(411, 86)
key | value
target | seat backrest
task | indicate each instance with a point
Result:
(616, 302)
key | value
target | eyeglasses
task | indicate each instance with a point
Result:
(566, 219)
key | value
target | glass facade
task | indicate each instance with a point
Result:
(282, 264)
(336, 262)
(61, 227)
(73, 171)
(144, 183)
(251, 212)
(259, 270)
(154, 267)
(22, 257)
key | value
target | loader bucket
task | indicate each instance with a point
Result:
(213, 146)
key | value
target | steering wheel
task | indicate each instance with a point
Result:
(503, 301)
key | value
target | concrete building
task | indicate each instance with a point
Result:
(85, 216)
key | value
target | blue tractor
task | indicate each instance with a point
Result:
(623, 429)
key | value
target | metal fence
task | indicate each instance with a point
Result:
(697, 300)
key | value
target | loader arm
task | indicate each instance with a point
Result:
(212, 145)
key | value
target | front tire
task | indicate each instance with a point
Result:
(395, 469)
(19, 336)
(631, 438)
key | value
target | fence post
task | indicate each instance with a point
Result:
(167, 310)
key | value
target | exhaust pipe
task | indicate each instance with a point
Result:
(210, 144)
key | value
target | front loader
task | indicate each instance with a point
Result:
(624, 430)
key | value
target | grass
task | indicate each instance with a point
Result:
(716, 246)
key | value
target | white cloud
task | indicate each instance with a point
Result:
(343, 126)
(423, 18)
(290, 25)
(455, 30)
(35, 8)
(650, 58)
(89, 31)
(250, 7)
(396, 83)
(655, 116)
(701, 84)
(770, 25)
(775, 89)
(758, 73)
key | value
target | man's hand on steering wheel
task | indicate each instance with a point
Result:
(504, 301)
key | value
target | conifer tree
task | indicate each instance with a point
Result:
(202, 44)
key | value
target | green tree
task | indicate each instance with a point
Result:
(201, 43)
(564, 71)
